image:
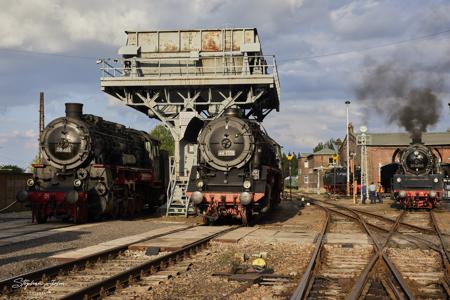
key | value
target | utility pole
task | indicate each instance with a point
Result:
(347, 103)
(289, 157)
(41, 122)
(362, 141)
(318, 179)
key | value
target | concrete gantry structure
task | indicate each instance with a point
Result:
(185, 77)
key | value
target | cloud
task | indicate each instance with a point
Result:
(313, 89)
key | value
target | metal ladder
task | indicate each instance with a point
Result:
(177, 201)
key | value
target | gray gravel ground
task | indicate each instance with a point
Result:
(31, 255)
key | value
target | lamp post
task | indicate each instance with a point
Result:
(289, 157)
(347, 103)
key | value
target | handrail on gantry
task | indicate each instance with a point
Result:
(302, 288)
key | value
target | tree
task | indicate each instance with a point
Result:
(12, 168)
(330, 144)
(165, 138)
(36, 160)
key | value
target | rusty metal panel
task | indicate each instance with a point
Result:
(208, 40)
(148, 41)
(132, 39)
(249, 37)
(211, 41)
(191, 41)
(169, 41)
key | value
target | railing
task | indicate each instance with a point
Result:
(172, 182)
(204, 66)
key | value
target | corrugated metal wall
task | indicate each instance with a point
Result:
(10, 184)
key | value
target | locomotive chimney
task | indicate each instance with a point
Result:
(74, 110)
(232, 112)
(416, 137)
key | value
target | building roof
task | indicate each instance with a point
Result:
(325, 151)
(404, 139)
(304, 154)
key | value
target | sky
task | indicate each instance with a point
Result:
(323, 51)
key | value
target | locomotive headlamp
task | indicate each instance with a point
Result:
(255, 174)
(101, 189)
(247, 184)
(200, 184)
(82, 173)
(433, 194)
(30, 182)
(245, 198)
(197, 197)
(77, 183)
(436, 180)
(399, 179)
(402, 194)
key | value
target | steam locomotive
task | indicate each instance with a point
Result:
(418, 182)
(92, 167)
(239, 170)
(335, 180)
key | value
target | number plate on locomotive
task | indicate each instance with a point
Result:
(67, 149)
(227, 153)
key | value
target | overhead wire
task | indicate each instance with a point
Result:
(424, 37)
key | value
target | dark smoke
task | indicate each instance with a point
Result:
(402, 96)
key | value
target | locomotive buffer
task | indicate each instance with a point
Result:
(186, 77)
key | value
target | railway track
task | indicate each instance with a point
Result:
(103, 274)
(9, 230)
(409, 259)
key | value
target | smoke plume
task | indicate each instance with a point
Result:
(402, 95)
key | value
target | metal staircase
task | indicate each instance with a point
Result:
(177, 201)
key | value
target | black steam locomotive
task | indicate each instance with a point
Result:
(92, 167)
(335, 180)
(239, 169)
(418, 182)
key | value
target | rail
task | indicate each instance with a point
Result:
(100, 288)
(185, 66)
(300, 293)
(302, 288)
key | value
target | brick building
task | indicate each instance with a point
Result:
(311, 167)
(382, 147)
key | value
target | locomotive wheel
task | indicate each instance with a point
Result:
(268, 195)
(139, 203)
(130, 207)
(246, 216)
(206, 221)
(81, 215)
(115, 212)
(41, 217)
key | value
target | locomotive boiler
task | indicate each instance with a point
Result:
(92, 167)
(239, 171)
(418, 182)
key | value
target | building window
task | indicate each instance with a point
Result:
(330, 161)
(306, 164)
(305, 179)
